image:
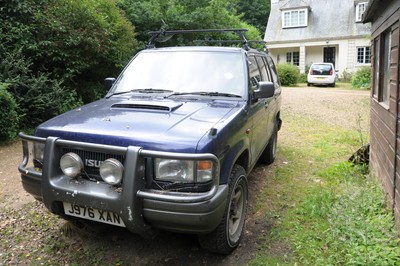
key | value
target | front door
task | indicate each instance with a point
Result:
(329, 55)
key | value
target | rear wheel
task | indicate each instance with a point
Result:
(333, 85)
(226, 237)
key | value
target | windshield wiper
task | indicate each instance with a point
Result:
(205, 93)
(147, 90)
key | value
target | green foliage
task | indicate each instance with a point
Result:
(8, 114)
(302, 78)
(55, 53)
(346, 76)
(362, 78)
(150, 15)
(255, 12)
(84, 41)
(75, 42)
(37, 95)
(288, 74)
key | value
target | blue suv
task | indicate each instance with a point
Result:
(169, 147)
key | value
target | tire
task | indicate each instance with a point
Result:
(333, 84)
(226, 237)
(269, 154)
(308, 84)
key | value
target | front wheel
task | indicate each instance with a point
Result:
(226, 237)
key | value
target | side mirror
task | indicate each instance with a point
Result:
(265, 89)
(108, 82)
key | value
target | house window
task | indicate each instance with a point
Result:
(360, 9)
(363, 55)
(295, 18)
(293, 58)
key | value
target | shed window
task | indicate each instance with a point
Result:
(360, 9)
(363, 55)
(294, 18)
(381, 77)
(376, 68)
(385, 69)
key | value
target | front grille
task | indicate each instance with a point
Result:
(92, 161)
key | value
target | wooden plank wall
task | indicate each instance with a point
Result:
(385, 120)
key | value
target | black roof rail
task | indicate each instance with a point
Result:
(165, 35)
(205, 41)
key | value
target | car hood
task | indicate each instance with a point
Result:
(152, 124)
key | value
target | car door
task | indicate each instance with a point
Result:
(258, 112)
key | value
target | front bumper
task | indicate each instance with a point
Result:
(140, 207)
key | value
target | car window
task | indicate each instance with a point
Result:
(324, 69)
(185, 72)
(272, 67)
(254, 73)
(265, 75)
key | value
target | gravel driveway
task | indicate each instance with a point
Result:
(334, 106)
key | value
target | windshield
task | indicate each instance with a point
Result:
(184, 72)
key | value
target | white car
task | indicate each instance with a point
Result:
(321, 74)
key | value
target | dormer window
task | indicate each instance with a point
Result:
(360, 9)
(294, 18)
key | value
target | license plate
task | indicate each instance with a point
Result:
(93, 214)
(320, 78)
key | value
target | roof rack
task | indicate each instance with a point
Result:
(165, 35)
(263, 43)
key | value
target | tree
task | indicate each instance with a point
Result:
(56, 52)
(150, 15)
(255, 12)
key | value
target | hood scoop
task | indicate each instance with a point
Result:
(147, 105)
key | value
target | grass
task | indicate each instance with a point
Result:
(324, 210)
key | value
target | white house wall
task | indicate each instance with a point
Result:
(345, 58)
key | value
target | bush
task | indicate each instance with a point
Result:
(56, 53)
(288, 74)
(303, 78)
(37, 95)
(9, 120)
(346, 76)
(362, 78)
(74, 42)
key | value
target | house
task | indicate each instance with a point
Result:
(302, 32)
(384, 16)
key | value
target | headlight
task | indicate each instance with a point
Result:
(174, 170)
(183, 171)
(71, 164)
(111, 171)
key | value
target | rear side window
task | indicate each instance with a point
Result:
(273, 69)
(254, 73)
(265, 75)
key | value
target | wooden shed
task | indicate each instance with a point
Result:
(384, 16)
